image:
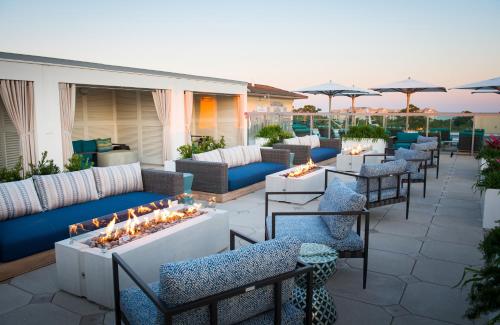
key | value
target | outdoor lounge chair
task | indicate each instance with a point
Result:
(327, 149)
(252, 285)
(340, 207)
(381, 183)
(416, 164)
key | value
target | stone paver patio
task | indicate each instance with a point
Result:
(413, 265)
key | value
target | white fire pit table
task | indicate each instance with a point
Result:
(87, 272)
(311, 182)
(348, 162)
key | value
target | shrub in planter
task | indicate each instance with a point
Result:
(203, 144)
(12, 174)
(484, 295)
(361, 132)
(274, 134)
(43, 167)
(77, 162)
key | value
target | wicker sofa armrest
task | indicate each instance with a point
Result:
(280, 156)
(331, 143)
(208, 176)
(302, 153)
(162, 182)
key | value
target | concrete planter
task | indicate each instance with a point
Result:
(490, 208)
(377, 146)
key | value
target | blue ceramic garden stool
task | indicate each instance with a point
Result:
(323, 259)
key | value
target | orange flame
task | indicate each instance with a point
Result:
(96, 223)
(110, 227)
(303, 169)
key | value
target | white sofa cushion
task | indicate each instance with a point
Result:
(63, 189)
(210, 156)
(18, 199)
(233, 157)
(315, 141)
(252, 154)
(305, 140)
(120, 179)
(291, 141)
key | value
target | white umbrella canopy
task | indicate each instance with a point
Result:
(356, 92)
(486, 91)
(330, 89)
(484, 84)
(409, 86)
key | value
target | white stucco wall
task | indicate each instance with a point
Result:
(46, 78)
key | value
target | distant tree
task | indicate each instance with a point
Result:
(463, 122)
(412, 109)
(307, 109)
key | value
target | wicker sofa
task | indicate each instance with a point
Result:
(219, 178)
(327, 149)
(36, 232)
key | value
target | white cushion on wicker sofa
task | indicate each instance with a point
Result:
(252, 154)
(314, 141)
(115, 180)
(210, 156)
(64, 189)
(233, 157)
(305, 140)
(18, 199)
(291, 141)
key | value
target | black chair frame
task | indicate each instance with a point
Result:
(212, 301)
(423, 165)
(342, 254)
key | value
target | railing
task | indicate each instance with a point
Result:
(333, 125)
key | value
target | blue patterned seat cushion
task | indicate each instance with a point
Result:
(312, 229)
(338, 197)
(187, 281)
(422, 139)
(387, 168)
(140, 310)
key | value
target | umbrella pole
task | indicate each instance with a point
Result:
(329, 103)
(353, 118)
(408, 111)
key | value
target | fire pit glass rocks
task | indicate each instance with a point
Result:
(135, 227)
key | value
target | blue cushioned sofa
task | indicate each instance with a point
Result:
(27, 235)
(250, 285)
(217, 178)
(328, 149)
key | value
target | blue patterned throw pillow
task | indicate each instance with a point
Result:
(338, 197)
(18, 199)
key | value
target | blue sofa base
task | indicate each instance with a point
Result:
(246, 175)
(28, 235)
(319, 154)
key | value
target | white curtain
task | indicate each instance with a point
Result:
(240, 113)
(163, 103)
(67, 95)
(17, 96)
(188, 115)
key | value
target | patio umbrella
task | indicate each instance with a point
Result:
(330, 89)
(493, 84)
(409, 87)
(486, 91)
(358, 92)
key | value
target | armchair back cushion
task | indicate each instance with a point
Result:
(233, 157)
(424, 146)
(338, 197)
(210, 156)
(252, 154)
(63, 189)
(119, 179)
(292, 141)
(18, 199)
(422, 139)
(406, 154)
(186, 281)
(388, 168)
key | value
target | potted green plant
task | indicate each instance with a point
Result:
(484, 295)
(271, 134)
(365, 136)
(488, 181)
(203, 144)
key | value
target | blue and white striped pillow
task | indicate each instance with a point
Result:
(18, 199)
(60, 190)
(119, 179)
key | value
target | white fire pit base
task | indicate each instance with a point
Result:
(347, 162)
(312, 182)
(87, 272)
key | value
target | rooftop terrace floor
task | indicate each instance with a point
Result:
(413, 264)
